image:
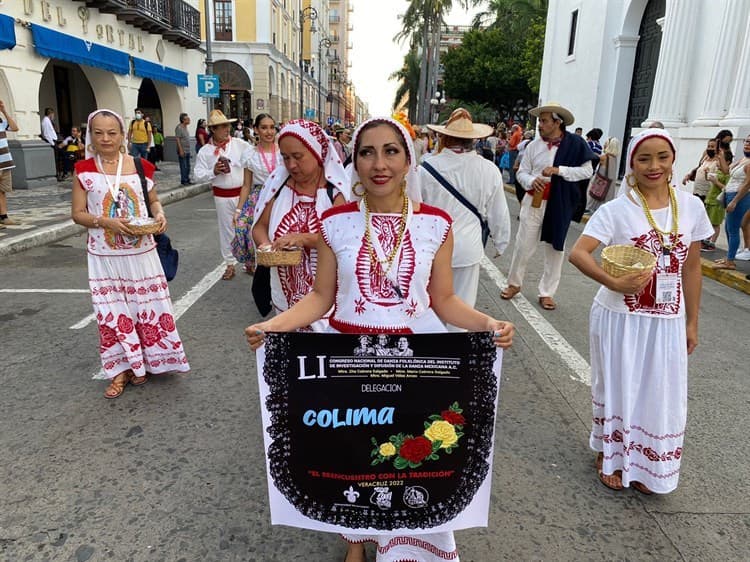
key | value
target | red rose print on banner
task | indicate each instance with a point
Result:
(453, 417)
(416, 449)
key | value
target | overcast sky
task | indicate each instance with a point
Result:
(375, 55)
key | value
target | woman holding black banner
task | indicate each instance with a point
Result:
(384, 261)
(137, 333)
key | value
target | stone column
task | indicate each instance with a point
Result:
(739, 106)
(733, 22)
(671, 86)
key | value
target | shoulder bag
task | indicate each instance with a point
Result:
(465, 202)
(168, 256)
(600, 182)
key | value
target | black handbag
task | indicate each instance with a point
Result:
(168, 256)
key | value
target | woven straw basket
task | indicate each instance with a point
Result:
(277, 258)
(620, 260)
(143, 229)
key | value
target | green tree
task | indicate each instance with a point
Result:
(533, 53)
(408, 78)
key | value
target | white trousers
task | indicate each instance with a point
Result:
(527, 240)
(466, 286)
(225, 207)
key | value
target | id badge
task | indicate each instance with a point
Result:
(666, 288)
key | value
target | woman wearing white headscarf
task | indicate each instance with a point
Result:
(644, 325)
(137, 333)
(310, 181)
(384, 263)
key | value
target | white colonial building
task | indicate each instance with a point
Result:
(622, 64)
(76, 56)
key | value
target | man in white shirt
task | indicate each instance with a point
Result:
(223, 161)
(49, 134)
(480, 182)
(556, 166)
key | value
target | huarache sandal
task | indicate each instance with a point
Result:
(228, 273)
(723, 263)
(611, 481)
(138, 381)
(117, 386)
(509, 292)
(642, 488)
(547, 303)
(249, 269)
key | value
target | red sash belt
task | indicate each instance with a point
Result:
(226, 191)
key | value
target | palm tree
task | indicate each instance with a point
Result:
(408, 77)
(502, 13)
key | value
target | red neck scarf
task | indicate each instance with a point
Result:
(220, 145)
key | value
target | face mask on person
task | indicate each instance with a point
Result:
(746, 153)
(139, 115)
(711, 153)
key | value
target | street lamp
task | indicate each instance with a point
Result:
(325, 42)
(437, 103)
(310, 14)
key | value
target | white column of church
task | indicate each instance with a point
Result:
(672, 82)
(733, 22)
(739, 107)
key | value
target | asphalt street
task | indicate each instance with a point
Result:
(174, 470)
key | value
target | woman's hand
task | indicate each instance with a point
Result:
(118, 225)
(692, 338)
(161, 220)
(632, 283)
(502, 333)
(256, 334)
(290, 240)
(732, 205)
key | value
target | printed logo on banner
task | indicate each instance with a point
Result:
(382, 432)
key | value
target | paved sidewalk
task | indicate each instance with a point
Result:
(44, 212)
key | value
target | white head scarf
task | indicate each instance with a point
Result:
(90, 153)
(314, 138)
(634, 143)
(413, 190)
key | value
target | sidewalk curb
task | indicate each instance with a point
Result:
(732, 279)
(55, 232)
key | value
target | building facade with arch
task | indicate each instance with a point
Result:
(77, 56)
(621, 65)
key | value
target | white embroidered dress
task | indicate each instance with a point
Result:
(128, 288)
(639, 350)
(370, 301)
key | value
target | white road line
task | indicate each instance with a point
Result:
(187, 300)
(579, 367)
(83, 323)
(61, 291)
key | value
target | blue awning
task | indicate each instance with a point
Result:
(56, 45)
(146, 69)
(7, 32)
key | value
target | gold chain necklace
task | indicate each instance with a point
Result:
(672, 234)
(368, 236)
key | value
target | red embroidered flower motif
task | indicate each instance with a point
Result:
(416, 449)
(124, 324)
(650, 454)
(107, 336)
(411, 309)
(166, 321)
(359, 306)
(142, 290)
(678, 453)
(453, 417)
(617, 436)
(149, 334)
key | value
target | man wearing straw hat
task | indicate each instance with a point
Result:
(470, 189)
(222, 161)
(554, 172)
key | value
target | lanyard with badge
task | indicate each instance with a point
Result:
(666, 282)
(114, 189)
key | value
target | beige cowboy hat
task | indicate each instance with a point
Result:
(460, 125)
(554, 107)
(217, 117)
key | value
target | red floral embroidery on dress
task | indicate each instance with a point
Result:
(648, 452)
(645, 301)
(373, 283)
(359, 306)
(149, 332)
(411, 309)
(297, 280)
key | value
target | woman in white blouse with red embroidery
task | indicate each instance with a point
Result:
(384, 263)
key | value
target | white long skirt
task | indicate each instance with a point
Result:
(639, 395)
(135, 316)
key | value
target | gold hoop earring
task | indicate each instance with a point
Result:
(669, 180)
(123, 150)
(90, 148)
(358, 193)
(634, 182)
